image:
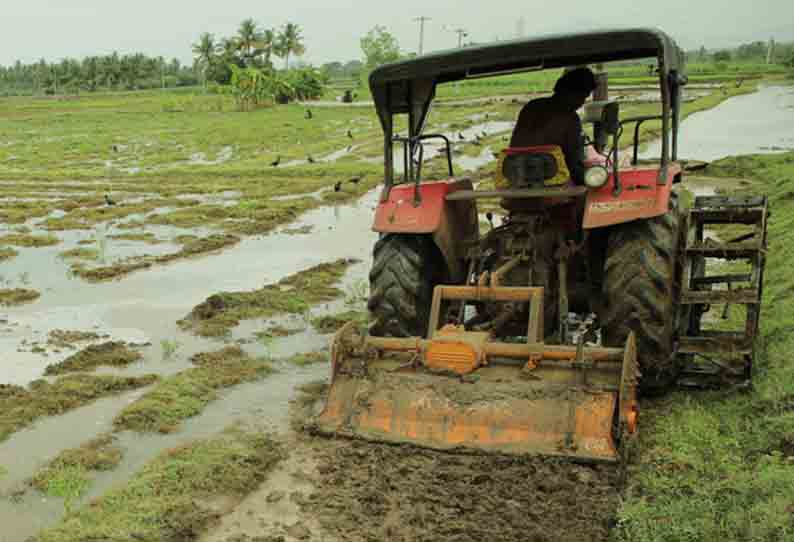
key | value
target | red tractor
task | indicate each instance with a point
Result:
(532, 337)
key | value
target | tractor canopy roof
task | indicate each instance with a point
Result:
(395, 86)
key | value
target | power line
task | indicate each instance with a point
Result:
(421, 21)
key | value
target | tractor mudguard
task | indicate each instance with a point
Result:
(640, 197)
(449, 222)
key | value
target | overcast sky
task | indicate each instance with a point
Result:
(54, 29)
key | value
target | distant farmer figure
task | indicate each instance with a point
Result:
(553, 120)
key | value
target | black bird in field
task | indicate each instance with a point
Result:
(338, 186)
(484, 133)
(349, 148)
(309, 158)
(114, 148)
(354, 180)
(460, 136)
(308, 115)
(276, 162)
(350, 134)
(108, 200)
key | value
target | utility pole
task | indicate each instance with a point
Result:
(421, 21)
(770, 52)
(462, 33)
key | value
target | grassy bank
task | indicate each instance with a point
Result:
(68, 476)
(294, 294)
(170, 500)
(720, 465)
(185, 394)
(20, 407)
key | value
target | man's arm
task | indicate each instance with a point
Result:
(574, 149)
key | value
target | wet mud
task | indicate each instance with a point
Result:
(354, 490)
(369, 492)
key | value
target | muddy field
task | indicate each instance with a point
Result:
(138, 337)
(345, 489)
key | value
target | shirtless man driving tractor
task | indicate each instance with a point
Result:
(553, 120)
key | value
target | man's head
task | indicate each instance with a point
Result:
(575, 86)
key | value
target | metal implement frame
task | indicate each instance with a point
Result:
(721, 350)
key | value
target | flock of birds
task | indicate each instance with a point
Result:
(309, 115)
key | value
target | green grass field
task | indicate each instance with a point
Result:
(720, 465)
(619, 74)
(709, 465)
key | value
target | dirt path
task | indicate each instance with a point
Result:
(349, 490)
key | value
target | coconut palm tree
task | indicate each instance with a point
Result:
(248, 40)
(268, 43)
(228, 49)
(290, 41)
(204, 52)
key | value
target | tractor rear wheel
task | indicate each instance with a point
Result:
(405, 270)
(640, 292)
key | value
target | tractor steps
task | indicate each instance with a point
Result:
(709, 352)
(716, 343)
(745, 296)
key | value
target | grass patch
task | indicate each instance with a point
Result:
(194, 247)
(17, 296)
(80, 253)
(20, 407)
(68, 475)
(720, 465)
(109, 354)
(27, 240)
(143, 237)
(309, 358)
(277, 331)
(185, 394)
(331, 323)
(62, 338)
(292, 295)
(168, 500)
(6, 253)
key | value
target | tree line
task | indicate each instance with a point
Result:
(245, 59)
(106, 72)
(754, 52)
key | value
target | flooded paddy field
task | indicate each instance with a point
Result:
(170, 281)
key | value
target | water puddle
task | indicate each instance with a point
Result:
(473, 163)
(753, 123)
(200, 158)
(151, 302)
(143, 309)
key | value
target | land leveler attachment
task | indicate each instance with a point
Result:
(462, 389)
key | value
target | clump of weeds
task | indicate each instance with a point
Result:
(68, 476)
(109, 354)
(17, 296)
(185, 394)
(292, 295)
(20, 407)
(168, 500)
